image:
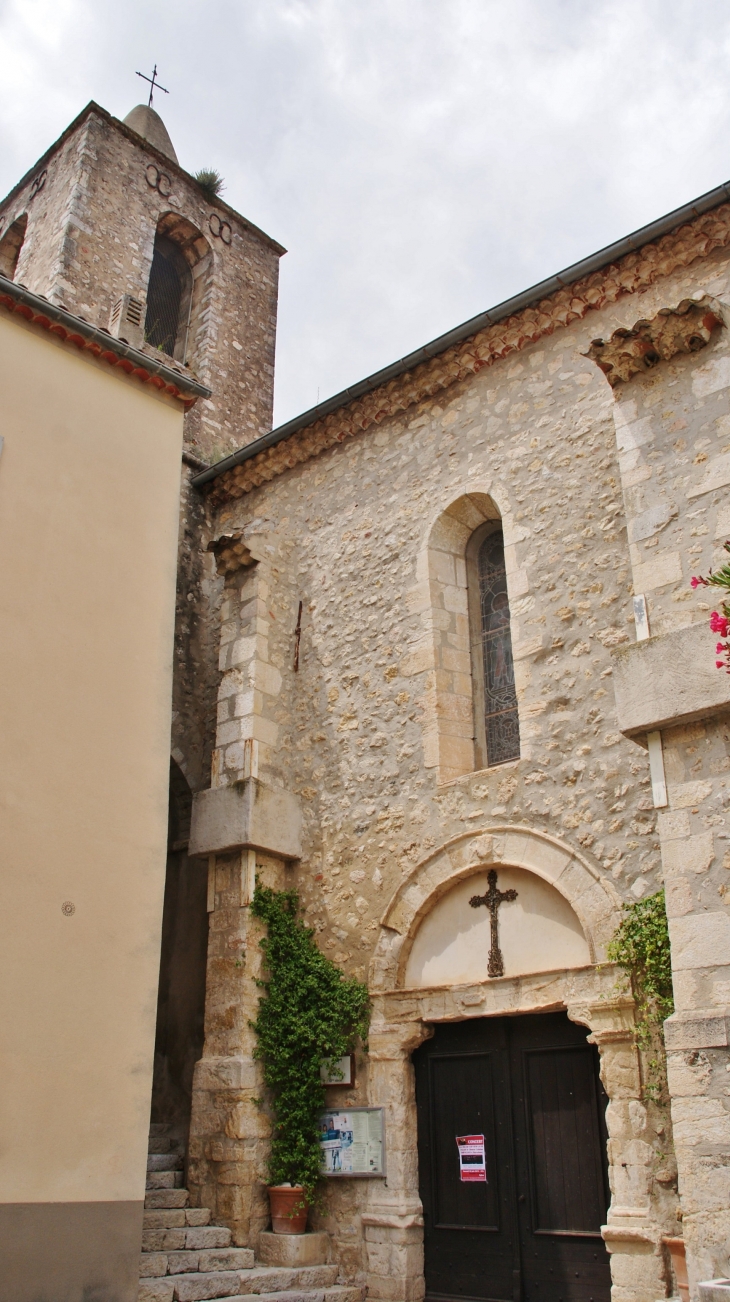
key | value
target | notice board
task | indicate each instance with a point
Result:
(352, 1142)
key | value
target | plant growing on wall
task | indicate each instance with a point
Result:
(719, 619)
(310, 1011)
(210, 181)
(640, 946)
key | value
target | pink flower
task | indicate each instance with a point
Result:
(719, 623)
(697, 581)
(719, 664)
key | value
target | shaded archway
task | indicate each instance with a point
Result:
(183, 955)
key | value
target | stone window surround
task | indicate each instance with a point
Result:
(440, 652)
(198, 254)
(402, 1020)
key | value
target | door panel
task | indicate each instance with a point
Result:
(464, 1088)
(532, 1232)
(560, 1149)
(470, 1229)
(561, 1116)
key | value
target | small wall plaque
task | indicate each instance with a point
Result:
(352, 1142)
(339, 1071)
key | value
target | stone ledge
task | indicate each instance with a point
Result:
(246, 815)
(704, 1029)
(668, 680)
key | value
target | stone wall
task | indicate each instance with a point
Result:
(370, 537)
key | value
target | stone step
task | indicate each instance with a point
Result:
(164, 1180)
(334, 1293)
(203, 1261)
(159, 1144)
(282, 1279)
(166, 1198)
(174, 1218)
(174, 1240)
(164, 1162)
(220, 1284)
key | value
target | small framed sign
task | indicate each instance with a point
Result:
(352, 1142)
(338, 1071)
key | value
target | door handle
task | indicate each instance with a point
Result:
(521, 1198)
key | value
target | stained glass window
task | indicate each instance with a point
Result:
(500, 708)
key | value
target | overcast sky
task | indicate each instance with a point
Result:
(420, 159)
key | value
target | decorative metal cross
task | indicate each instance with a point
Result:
(154, 84)
(493, 898)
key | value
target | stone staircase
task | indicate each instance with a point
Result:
(186, 1259)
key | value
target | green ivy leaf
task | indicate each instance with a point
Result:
(310, 1011)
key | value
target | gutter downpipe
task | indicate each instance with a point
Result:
(544, 288)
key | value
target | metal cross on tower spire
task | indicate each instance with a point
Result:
(154, 84)
(492, 899)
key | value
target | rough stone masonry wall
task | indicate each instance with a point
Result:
(351, 529)
(197, 608)
(673, 434)
(90, 237)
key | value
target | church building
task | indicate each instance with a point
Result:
(439, 668)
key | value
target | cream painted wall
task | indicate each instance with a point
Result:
(538, 932)
(89, 485)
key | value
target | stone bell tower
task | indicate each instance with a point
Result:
(108, 224)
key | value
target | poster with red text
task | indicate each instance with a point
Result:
(472, 1160)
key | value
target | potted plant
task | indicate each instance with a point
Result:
(309, 1012)
(679, 1264)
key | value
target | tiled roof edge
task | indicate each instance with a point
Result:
(88, 338)
(528, 298)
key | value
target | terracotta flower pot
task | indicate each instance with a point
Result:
(679, 1264)
(289, 1208)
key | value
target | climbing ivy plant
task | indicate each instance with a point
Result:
(640, 946)
(310, 1011)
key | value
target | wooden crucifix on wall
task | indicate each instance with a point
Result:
(492, 900)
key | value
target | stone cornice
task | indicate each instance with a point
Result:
(635, 271)
(231, 553)
(683, 329)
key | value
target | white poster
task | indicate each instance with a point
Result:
(472, 1159)
(352, 1142)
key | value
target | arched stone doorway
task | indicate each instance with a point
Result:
(589, 993)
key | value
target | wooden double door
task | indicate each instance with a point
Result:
(530, 1232)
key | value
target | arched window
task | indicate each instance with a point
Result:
(10, 246)
(169, 296)
(497, 727)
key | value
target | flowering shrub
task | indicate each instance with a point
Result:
(719, 622)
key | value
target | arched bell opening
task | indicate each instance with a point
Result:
(177, 287)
